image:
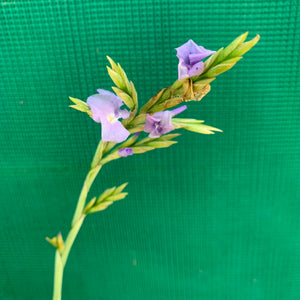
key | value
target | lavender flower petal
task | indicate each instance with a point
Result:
(182, 70)
(190, 56)
(161, 122)
(105, 108)
(196, 69)
(178, 110)
(114, 132)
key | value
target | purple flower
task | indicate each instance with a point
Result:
(105, 108)
(161, 122)
(190, 56)
(125, 152)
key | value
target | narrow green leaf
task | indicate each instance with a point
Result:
(141, 149)
(161, 144)
(209, 62)
(201, 128)
(166, 95)
(125, 97)
(116, 78)
(176, 85)
(129, 141)
(185, 121)
(77, 101)
(116, 197)
(89, 205)
(120, 188)
(80, 107)
(232, 46)
(112, 156)
(100, 207)
(167, 137)
(144, 141)
(223, 67)
(105, 194)
(113, 64)
(245, 47)
(134, 94)
(125, 78)
(138, 128)
(152, 101)
(140, 118)
(167, 104)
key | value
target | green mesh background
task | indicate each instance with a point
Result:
(214, 217)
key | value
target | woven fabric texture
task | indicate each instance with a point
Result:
(212, 218)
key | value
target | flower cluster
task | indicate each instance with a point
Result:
(106, 109)
(106, 106)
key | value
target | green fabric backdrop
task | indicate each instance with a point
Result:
(213, 217)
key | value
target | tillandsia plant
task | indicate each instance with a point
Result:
(123, 130)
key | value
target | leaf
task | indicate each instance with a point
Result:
(113, 64)
(167, 104)
(89, 205)
(125, 79)
(232, 46)
(116, 78)
(165, 95)
(124, 97)
(134, 94)
(152, 101)
(116, 197)
(79, 107)
(209, 62)
(140, 118)
(161, 144)
(185, 121)
(176, 85)
(77, 101)
(141, 149)
(101, 206)
(223, 67)
(167, 137)
(201, 128)
(129, 141)
(120, 188)
(105, 194)
(245, 47)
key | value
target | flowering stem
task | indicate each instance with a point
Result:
(78, 218)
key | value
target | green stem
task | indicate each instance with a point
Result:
(78, 218)
(61, 259)
(58, 276)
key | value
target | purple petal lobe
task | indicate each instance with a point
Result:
(114, 132)
(125, 152)
(161, 122)
(182, 70)
(178, 110)
(105, 108)
(101, 106)
(196, 69)
(190, 56)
